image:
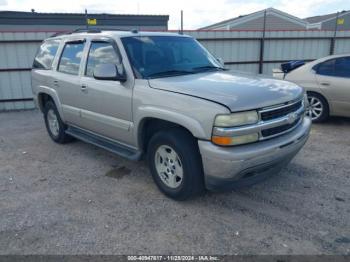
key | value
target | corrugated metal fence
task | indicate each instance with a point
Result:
(241, 50)
(249, 51)
(17, 51)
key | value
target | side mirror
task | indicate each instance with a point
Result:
(221, 61)
(109, 72)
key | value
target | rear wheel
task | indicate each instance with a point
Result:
(54, 125)
(318, 109)
(175, 164)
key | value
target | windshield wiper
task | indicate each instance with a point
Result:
(170, 73)
(209, 67)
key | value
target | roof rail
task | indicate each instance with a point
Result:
(78, 30)
(91, 30)
(86, 30)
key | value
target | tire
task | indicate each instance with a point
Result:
(318, 108)
(167, 172)
(54, 125)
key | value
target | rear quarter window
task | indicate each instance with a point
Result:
(46, 54)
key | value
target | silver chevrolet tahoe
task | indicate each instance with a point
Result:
(164, 97)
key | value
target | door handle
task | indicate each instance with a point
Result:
(325, 84)
(84, 88)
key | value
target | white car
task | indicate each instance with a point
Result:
(327, 82)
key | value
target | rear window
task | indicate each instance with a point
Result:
(46, 54)
(71, 58)
(342, 67)
(339, 67)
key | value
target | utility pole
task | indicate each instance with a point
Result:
(262, 43)
(331, 50)
(86, 20)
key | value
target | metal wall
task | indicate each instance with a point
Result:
(241, 50)
(248, 50)
(17, 51)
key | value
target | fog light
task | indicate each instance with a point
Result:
(233, 141)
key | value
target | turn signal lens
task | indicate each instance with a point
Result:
(233, 141)
(221, 140)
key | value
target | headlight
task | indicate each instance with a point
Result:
(236, 140)
(236, 119)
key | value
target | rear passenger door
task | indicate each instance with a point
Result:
(106, 108)
(66, 80)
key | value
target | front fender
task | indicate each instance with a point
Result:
(191, 124)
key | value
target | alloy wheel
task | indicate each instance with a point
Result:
(53, 122)
(315, 108)
(169, 166)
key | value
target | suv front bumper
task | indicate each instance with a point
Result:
(238, 166)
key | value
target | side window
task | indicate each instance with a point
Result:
(100, 53)
(342, 67)
(71, 57)
(46, 54)
(326, 68)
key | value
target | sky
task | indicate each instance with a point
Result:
(197, 13)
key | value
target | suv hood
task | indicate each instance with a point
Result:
(236, 91)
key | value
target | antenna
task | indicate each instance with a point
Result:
(182, 22)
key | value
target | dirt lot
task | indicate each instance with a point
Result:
(78, 199)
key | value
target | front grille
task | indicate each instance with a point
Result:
(280, 112)
(277, 113)
(279, 129)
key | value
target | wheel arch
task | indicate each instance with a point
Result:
(148, 126)
(47, 94)
(322, 95)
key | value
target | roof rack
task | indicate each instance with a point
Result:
(91, 30)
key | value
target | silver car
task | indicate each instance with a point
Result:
(164, 97)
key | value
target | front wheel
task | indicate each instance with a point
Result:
(317, 109)
(175, 164)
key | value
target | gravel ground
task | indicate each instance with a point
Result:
(78, 199)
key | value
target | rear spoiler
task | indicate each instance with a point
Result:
(291, 65)
(285, 68)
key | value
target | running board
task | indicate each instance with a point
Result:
(104, 143)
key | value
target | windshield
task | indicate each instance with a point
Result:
(163, 56)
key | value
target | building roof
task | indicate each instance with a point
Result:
(321, 18)
(34, 18)
(243, 18)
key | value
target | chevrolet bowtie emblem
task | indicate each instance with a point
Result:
(292, 117)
